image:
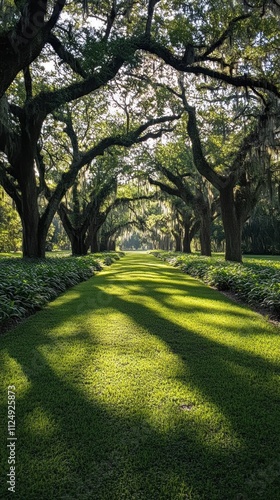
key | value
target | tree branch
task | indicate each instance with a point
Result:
(151, 8)
(21, 45)
(127, 140)
(28, 83)
(165, 187)
(110, 20)
(66, 56)
(47, 102)
(200, 161)
(68, 178)
(10, 188)
(69, 129)
(228, 32)
(124, 200)
(180, 65)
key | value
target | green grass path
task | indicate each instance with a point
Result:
(142, 383)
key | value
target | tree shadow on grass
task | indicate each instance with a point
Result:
(73, 446)
(173, 284)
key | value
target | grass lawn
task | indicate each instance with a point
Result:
(143, 383)
(261, 257)
(6, 255)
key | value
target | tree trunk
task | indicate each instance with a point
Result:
(32, 245)
(187, 239)
(205, 231)
(94, 243)
(78, 245)
(232, 224)
(178, 241)
(112, 245)
(77, 236)
(104, 242)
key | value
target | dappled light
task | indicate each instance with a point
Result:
(117, 384)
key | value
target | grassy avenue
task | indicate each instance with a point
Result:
(142, 383)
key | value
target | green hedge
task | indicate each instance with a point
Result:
(256, 282)
(27, 285)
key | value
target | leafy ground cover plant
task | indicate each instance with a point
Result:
(256, 281)
(27, 285)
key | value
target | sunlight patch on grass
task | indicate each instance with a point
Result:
(222, 321)
(39, 423)
(13, 374)
(65, 358)
(64, 299)
(132, 374)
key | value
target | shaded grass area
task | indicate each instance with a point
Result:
(143, 383)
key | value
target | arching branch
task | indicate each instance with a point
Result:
(21, 45)
(66, 56)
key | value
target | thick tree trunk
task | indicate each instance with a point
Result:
(77, 236)
(187, 239)
(30, 240)
(94, 243)
(78, 245)
(232, 224)
(178, 241)
(112, 245)
(186, 243)
(161, 244)
(205, 231)
(156, 245)
(104, 241)
(33, 244)
(167, 245)
(104, 244)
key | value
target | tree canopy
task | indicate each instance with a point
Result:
(86, 79)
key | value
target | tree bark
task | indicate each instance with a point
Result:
(104, 243)
(232, 224)
(178, 241)
(187, 241)
(78, 245)
(178, 244)
(205, 230)
(94, 245)
(112, 245)
(187, 238)
(29, 212)
(77, 236)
